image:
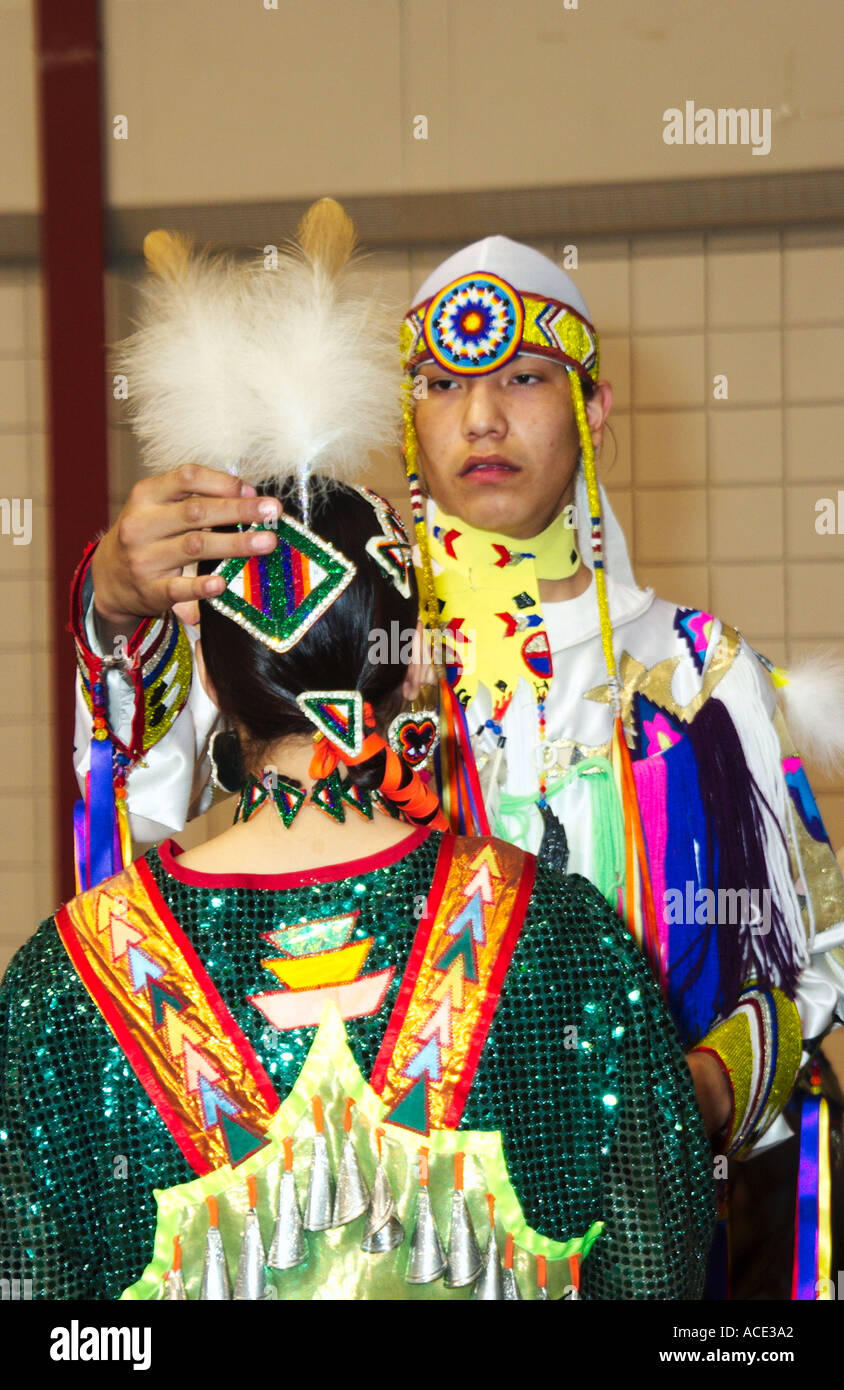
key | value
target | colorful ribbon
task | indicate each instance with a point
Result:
(812, 1226)
(97, 832)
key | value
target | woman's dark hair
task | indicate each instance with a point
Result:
(256, 687)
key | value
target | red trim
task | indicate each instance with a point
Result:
(414, 961)
(125, 1040)
(492, 993)
(300, 878)
(227, 1023)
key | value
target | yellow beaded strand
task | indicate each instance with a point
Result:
(597, 531)
(430, 607)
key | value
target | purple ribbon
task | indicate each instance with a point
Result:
(80, 841)
(103, 855)
(806, 1232)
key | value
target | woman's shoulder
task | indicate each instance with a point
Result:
(39, 973)
(571, 927)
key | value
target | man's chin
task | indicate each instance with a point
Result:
(489, 513)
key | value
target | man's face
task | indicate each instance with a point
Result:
(501, 450)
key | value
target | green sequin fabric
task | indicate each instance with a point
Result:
(582, 1073)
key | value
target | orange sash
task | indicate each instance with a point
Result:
(433, 1043)
(194, 1062)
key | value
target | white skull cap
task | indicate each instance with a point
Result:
(525, 269)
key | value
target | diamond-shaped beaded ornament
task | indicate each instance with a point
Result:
(278, 597)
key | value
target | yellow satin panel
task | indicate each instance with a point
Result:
(329, 968)
(107, 921)
(506, 866)
(473, 587)
(337, 1268)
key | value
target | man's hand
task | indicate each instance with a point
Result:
(138, 565)
(712, 1090)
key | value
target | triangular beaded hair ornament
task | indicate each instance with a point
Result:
(391, 551)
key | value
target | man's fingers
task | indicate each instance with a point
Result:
(185, 591)
(187, 613)
(162, 559)
(195, 513)
(192, 477)
(142, 529)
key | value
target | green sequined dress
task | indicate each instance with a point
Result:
(582, 1073)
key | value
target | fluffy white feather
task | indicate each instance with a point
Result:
(813, 704)
(266, 372)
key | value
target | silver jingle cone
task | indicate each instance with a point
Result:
(290, 1246)
(174, 1290)
(383, 1231)
(215, 1274)
(490, 1286)
(542, 1295)
(320, 1199)
(427, 1257)
(352, 1197)
(249, 1285)
(512, 1292)
(464, 1257)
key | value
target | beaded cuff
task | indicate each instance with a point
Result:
(759, 1047)
(156, 660)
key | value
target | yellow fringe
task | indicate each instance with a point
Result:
(594, 497)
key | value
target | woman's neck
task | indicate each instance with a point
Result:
(264, 845)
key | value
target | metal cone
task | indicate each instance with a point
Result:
(464, 1257)
(215, 1274)
(512, 1292)
(290, 1246)
(175, 1287)
(427, 1257)
(490, 1286)
(320, 1200)
(383, 1231)
(542, 1295)
(352, 1197)
(249, 1285)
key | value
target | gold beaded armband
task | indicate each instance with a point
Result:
(759, 1047)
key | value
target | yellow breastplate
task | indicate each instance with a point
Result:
(411, 1223)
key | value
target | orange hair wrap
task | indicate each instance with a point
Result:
(399, 783)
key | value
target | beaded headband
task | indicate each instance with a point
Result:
(477, 323)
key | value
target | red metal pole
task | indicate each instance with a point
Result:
(68, 52)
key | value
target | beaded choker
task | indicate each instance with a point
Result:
(331, 795)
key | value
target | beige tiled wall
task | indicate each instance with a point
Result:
(26, 867)
(717, 496)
